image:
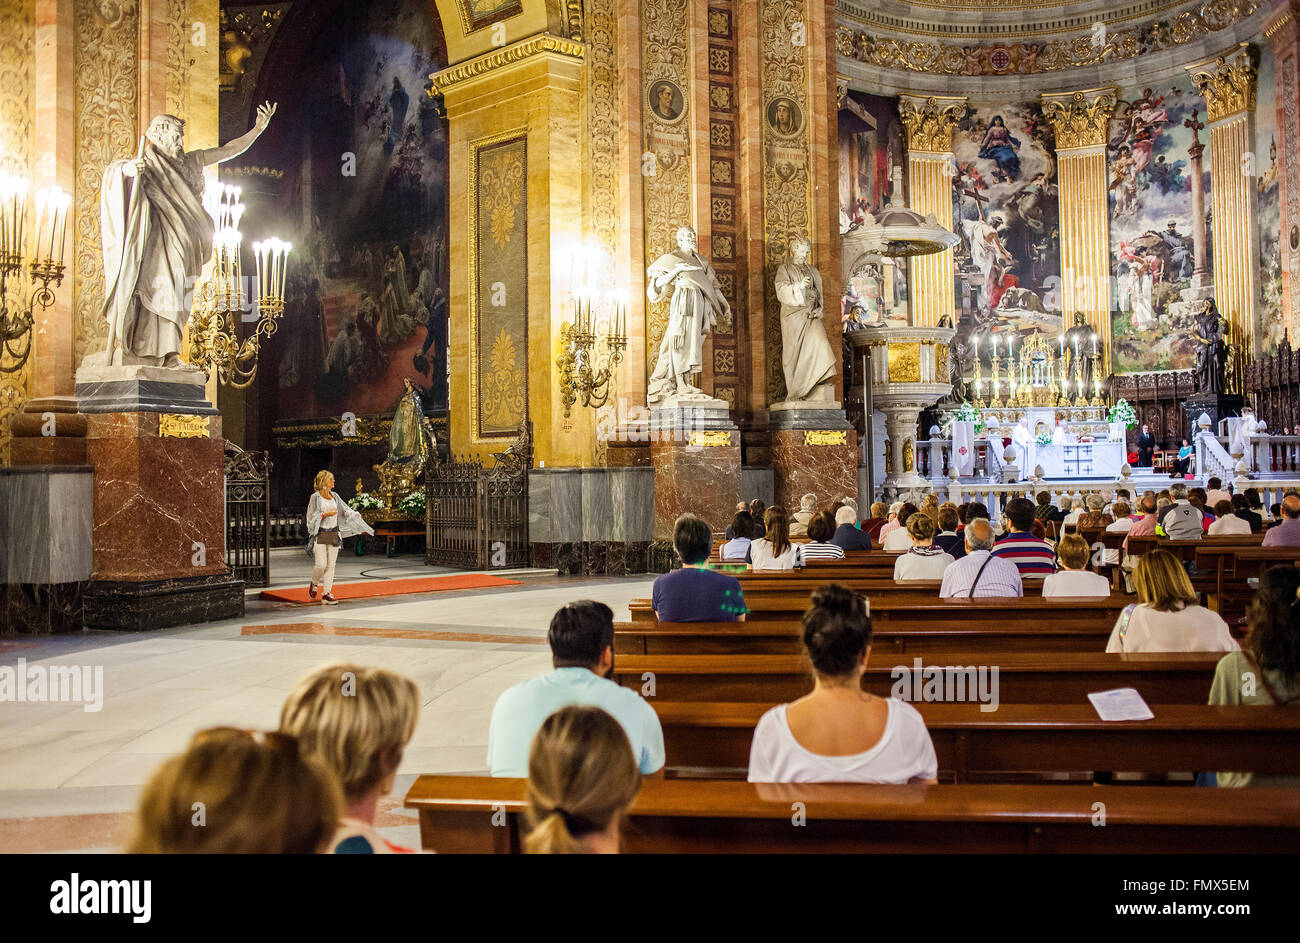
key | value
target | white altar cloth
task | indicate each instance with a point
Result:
(1076, 459)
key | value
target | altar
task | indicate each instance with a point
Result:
(1075, 459)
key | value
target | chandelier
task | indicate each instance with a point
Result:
(25, 280)
(219, 301)
(580, 376)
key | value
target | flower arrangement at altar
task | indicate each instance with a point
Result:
(365, 501)
(1043, 438)
(1123, 412)
(412, 505)
(966, 412)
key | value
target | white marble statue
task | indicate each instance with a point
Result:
(697, 301)
(156, 238)
(806, 356)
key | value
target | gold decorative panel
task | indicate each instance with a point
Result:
(17, 118)
(928, 123)
(905, 363)
(724, 361)
(1227, 82)
(478, 14)
(710, 439)
(825, 437)
(603, 124)
(183, 426)
(498, 204)
(941, 363)
(786, 185)
(107, 102)
(665, 72)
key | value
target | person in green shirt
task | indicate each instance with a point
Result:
(1267, 669)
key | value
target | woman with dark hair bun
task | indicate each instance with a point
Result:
(1267, 670)
(840, 733)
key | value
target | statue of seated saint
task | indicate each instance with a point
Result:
(410, 444)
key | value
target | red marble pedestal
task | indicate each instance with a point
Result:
(159, 522)
(696, 457)
(813, 454)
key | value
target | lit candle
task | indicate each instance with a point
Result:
(977, 347)
(1094, 345)
(60, 222)
(1062, 345)
(42, 198)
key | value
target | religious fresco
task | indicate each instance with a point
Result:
(1005, 209)
(1152, 236)
(871, 146)
(366, 300)
(1271, 314)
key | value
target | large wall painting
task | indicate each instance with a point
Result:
(1005, 209)
(1152, 232)
(366, 301)
(871, 146)
(1271, 324)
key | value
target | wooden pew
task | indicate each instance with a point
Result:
(925, 608)
(1186, 549)
(1072, 631)
(1232, 567)
(478, 814)
(1023, 677)
(1023, 738)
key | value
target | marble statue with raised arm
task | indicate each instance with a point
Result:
(806, 356)
(697, 301)
(156, 238)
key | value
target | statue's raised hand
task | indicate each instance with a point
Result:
(264, 113)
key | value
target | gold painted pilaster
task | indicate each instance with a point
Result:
(1081, 121)
(928, 124)
(1228, 84)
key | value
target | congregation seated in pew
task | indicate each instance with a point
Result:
(979, 574)
(774, 551)
(582, 776)
(840, 733)
(1285, 533)
(581, 636)
(356, 721)
(872, 525)
(1181, 520)
(948, 537)
(1167, 617)
(739, 536)
(923, 560)
(847, 535)
(1073, 579)
(820, 531)
(1266, 671)
(1032, 556)
(1226, 522)
(693, 592)
(898, 540)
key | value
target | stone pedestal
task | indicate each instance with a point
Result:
(1215, 405)
(46, 523)
(49, 431)
(159, 532)
(695, 450)
(814, 451)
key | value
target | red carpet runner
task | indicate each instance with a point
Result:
(371, 588)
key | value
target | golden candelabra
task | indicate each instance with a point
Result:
(29, 284)
(581, 378)
(219, 302)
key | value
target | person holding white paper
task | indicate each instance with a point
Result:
(1167, 618)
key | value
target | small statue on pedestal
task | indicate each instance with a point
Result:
(806, 356)
(697, 301)
(1211, 349)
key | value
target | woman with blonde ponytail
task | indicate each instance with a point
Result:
(582, 776)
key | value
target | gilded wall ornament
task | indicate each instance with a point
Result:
(17, 119)
(603, 124)
(929, 123)
(502, 172)
(1227, 82)
(1080, 119)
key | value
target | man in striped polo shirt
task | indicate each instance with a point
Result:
(1033, 556)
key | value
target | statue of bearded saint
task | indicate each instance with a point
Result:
(696, 303)
(806, 355)
(156, 239)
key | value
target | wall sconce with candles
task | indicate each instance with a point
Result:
(581, 379)
(23, 276)
(219, 300)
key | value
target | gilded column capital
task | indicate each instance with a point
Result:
(1080, 119)
(1227, 81)
(929, 122)
(542, 44)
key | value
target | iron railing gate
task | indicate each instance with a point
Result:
(477, 517)
(248, 515)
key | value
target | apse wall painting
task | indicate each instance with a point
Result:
(1005, 211)
(871, 146)
(1152, 232)
(1270, 325)
(367, 303)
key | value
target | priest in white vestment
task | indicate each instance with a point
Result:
(156, 238)
(1023, 440)
(806, 356)
(697, 301)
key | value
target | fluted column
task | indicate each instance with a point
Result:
(1081, 120)
(928, 124)
(1228, 84)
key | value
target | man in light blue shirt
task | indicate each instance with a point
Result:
(582, 650)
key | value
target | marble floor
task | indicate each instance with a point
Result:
(70, 778)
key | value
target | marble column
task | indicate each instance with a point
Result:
(928, 124)
(1283, 30)
(1228, 84)
(46, 524)
(1081, 121)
